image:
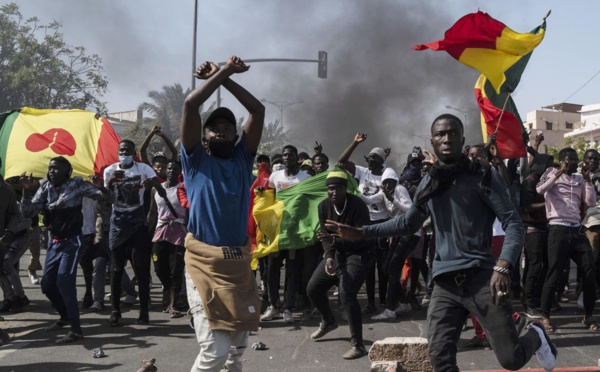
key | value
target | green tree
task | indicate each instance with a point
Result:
(273, 138)
(580, 144)
(166, 109)
(38, 69)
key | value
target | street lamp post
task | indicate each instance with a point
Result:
(194, 44)
(281, 105)
(462, 110)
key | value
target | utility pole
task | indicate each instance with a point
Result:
(194, 44)
(281, 105)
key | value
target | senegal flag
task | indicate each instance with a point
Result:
(501, 55)
(29, 138)
(290, 219)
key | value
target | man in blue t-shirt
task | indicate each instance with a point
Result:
(217, 175)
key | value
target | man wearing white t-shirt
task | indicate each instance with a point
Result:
(129, 238)
(369, 184)
(281, 180)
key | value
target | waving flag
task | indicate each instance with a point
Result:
(501, 55)
(291, 219)
(29, 138)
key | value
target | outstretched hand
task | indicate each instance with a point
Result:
(26, 181)
(345, 232)
(237, 64)
(432, 158)
(318, 147)
(360, 137)
(387, 151)
(206, 70)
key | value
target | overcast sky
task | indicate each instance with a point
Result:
(376, 83)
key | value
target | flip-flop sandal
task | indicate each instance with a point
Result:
(175, 314)
(591, 324)
(70, 337)
(56, 326)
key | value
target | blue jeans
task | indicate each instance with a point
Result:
(99, 280)
(60, 273)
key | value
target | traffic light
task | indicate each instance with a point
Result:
(322, 73)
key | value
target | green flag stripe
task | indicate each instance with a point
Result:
(7, 120)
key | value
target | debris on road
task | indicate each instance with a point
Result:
(98, 353)
(259, 346)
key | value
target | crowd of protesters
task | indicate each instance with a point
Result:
(449, 231)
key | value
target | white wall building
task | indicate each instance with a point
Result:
(122, 121)
(590, 124)
(555, 122)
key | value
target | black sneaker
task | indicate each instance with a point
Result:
(19, 304)
(355, 353)
(87, 302)
(482, 343)
(114, 319)
(143, 319)
(533, 313)
(6, 305)
(323, 330)
(369, 309)
(412, 300)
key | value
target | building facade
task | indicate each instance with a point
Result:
(555, 122)
(590, 124)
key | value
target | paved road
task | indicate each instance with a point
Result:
(174, 346)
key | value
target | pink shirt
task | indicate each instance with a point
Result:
(564, 196)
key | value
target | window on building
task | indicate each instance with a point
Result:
(530, 126)
(548, 125)
(568, 125)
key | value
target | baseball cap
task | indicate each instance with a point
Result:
(413, 156)
(218, 113)
(379, 152)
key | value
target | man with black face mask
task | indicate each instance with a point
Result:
(218, 173)
(129, 238)
(564, 192)
(60, 200)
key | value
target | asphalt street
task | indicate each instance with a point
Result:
(289, 347)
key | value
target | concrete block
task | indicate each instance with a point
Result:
(410, 353)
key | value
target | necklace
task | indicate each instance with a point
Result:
(343, 209)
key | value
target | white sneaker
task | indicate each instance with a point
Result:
(34, 278)
(288, 317)
(546, 353)
(96, 306)
(386, 314)
(270, 314)
(403, 309)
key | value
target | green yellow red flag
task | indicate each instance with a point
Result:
(30, 137)
(501, 55)
(290, 219)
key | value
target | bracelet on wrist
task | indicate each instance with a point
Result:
(502, 270)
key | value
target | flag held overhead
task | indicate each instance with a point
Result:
(30, 137)
(501, 55)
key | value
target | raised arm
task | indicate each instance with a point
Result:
(191, 126)
(256, 119)
(144, 146)
(549, 178)
(170, 145)
(344, 159)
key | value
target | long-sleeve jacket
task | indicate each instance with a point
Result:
(61, 206)
(564, 195)
(462, 217)
(9, 210)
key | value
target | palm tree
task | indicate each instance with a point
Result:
(273, 138)
(167, 108)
